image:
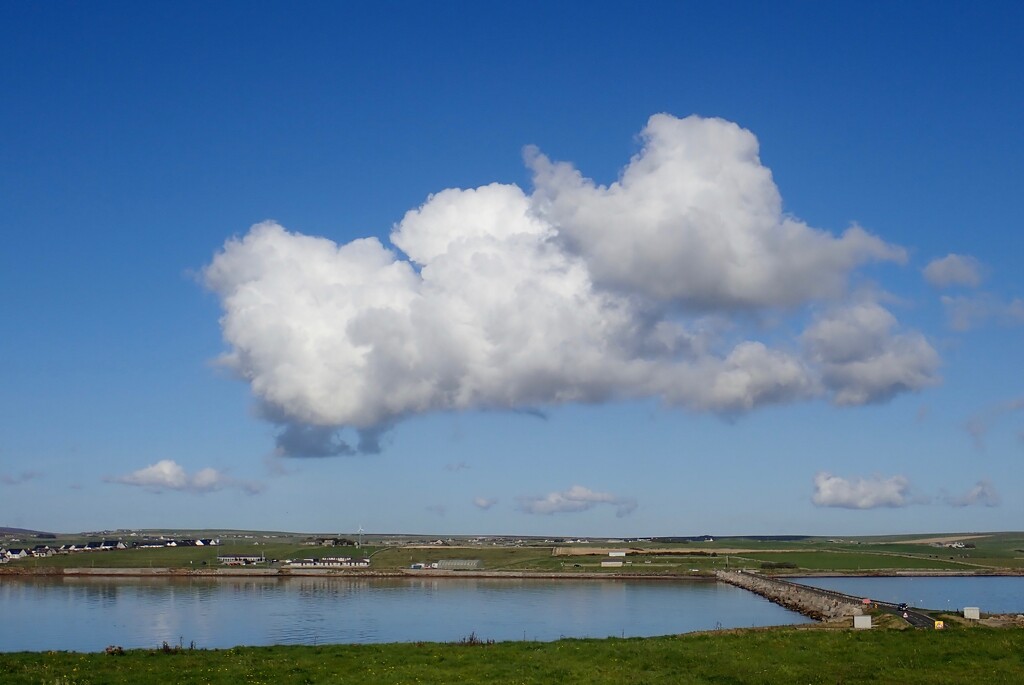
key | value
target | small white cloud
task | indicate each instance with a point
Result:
(978, 425)
(860, 493)
(982, 494)
(207, 479)
(966, 313)
(1014, 311)
(163, 475)
(484, 503)
(167, 474)
(865, 359)
(577, 498)
(954, 269)
(19, 478)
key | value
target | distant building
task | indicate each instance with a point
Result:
(458, 564)
(329, 562)
(241, 559)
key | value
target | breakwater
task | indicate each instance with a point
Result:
(817, 604)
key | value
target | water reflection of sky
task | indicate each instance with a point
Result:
(87, 614)
(992, 594)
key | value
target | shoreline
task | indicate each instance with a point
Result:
(284, 573)
(181, 572)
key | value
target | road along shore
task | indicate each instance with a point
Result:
(251, 572)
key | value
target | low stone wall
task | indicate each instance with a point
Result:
(807, 602)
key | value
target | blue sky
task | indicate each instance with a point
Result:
(540, 268)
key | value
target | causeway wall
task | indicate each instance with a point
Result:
(812, 603)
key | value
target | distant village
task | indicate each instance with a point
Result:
(9, 554)
(15, 553)
(127, 539)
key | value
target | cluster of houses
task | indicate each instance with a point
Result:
(15, 553)
(328, 562)
(324, 562)
(329, 542)
(188, 542)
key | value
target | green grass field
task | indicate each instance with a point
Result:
(975, 655)
(993, 552)
(853, 561)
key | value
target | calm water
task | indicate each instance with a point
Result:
(87, 614)
(997, 595)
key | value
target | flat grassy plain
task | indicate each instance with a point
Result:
(854, 561)
(786, 655)
(988, 553)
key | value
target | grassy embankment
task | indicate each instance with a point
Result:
(961, 655)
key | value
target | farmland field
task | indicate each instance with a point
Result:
(980, 553)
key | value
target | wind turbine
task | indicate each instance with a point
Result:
(360, 533)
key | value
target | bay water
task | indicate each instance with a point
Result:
(991, 594)
(87, 614)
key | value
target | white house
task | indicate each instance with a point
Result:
(241, 559)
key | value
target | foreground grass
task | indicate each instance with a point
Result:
(787, 655)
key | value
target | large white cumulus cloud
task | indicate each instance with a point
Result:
(695, 218)
(573, 293)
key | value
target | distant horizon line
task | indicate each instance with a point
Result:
(7, 530)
